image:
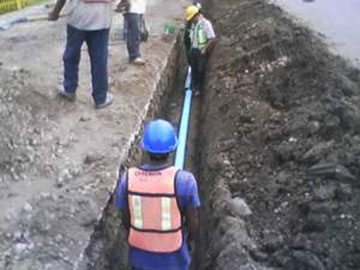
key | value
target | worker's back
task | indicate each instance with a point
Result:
(186, 197)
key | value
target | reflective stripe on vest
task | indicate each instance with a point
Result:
(198, 37)
(155, 217)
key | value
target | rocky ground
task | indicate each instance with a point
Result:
(280, 149)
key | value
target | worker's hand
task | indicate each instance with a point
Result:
(123, 6)
(53, 16)
(119, 7)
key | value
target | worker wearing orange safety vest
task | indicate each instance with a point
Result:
(159, 205)
(202, 38)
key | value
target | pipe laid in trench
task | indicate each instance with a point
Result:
(184, 124)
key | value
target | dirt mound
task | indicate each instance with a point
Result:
(281, 130)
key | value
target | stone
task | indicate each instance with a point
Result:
(313, 127)
(331, 170)
(317, 152)
(272, 241)
(28, 207)
(324, 192)
(304, 260)
(93, 157)
(315, 223)
(348, 87)
(64, 177)
(343, 192)
(231, 257)
(300, 241)
(240, 207)
(20, 248)
(258, 255)
(85, 118)
(283, 152)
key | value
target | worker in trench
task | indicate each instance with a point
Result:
(200, 43)
(188, 25)
(159, 205)
(88, 21)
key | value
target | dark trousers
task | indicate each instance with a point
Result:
(198, 65)
(97, 43)
(133, 23)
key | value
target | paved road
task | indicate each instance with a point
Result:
(339, 21)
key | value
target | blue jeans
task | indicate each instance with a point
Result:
(97, 43)
(133, 21)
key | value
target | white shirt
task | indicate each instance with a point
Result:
(208, 28)
(137, 6)
(90, 14)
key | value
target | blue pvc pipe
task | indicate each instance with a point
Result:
(184, 124)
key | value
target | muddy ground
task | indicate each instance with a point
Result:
(279, 146)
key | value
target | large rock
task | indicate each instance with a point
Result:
(239, 207)
(304, 260)
(316, 153)
(331, 170)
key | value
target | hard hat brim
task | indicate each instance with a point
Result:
(188, 18)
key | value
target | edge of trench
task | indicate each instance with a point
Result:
(107, 236)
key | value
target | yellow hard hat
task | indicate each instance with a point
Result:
(190, 12)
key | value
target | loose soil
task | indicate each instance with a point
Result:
(280, 135)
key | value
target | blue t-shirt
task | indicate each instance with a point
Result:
(188, 197)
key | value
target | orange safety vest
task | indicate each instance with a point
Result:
(155, 218)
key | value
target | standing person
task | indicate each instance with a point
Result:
(88, 21)
(159, 205)
(187, 39)
(202, 37)
(134, 16)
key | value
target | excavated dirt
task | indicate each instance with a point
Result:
(279, 147)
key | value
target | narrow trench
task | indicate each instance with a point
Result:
(108, 244)
(108, 248)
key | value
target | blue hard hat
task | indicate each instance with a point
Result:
(159, 137)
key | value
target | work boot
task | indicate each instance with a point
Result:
(137, 61)
(108, 101)
(66, 95)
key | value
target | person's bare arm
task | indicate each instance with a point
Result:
(54, 14)
(210, 45)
